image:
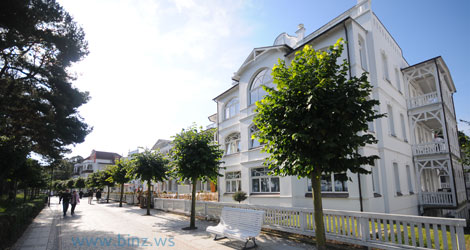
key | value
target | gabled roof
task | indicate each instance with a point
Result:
(161, 143)
(102, 155)
(257, 52)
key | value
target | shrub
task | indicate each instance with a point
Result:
(239, 196)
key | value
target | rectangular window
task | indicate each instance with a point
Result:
(385, 68)
(410, 183)
(397, 179)
(233, 182)
(327, 181)
(362, 55)
(391, 122)
(403, 127)
(397, 76)
(261, 182)
(375, 179)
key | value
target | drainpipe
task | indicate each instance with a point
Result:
(447, 134)
(349, 60)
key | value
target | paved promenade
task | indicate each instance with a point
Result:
(107, 226)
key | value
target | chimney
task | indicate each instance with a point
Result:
(300, 32)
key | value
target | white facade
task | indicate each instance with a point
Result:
(397, 183)
(97, 161)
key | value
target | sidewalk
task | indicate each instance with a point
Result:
(94, 226)
(42, 233)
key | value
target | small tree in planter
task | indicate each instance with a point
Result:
(239, 196)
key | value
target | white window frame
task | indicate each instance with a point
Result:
(386, 74)
(330, 177)
(262, 175)
(375, 178)
(232, 108)
(262, 77)
(391, 121)
(254, 142)
(410, 182)
(396, 172)
(397, 76)
(403, 127)
(362, 54)
(232, 144)
(233, 178)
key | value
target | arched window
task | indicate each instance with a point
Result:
(256, 90)
(253, 141)
(232, 108)
(232, 144)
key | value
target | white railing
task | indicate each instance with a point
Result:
(429, 148)
(437, 198)
(445, 185)
(378, 230)
(423, 100)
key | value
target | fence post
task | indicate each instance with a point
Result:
(303, 221)
(460, 237)
(364, 224)
(205, 210)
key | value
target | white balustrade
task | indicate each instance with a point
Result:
(423, 100)
(378, 230)
(437, 198)
(430, 148)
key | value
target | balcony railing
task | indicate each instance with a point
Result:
(437, 198)
(430, 148)
(423, 100)
(87, 171)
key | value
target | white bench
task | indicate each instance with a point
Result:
(240, 224)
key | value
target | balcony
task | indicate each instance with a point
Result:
(429, 148)
(437, 198)
(423, 100)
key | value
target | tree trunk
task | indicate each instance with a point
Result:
(107, 196)
(149, 196)
(318, 211)
(122, 192)
(192, 225)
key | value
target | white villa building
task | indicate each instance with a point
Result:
(97, 161)
(418, 171)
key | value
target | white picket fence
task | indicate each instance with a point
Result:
(378, 230)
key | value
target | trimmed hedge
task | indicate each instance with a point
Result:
(16, 219)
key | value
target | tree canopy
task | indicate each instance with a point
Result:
(38, 104)
(119, 174)
(149, 166)
(315, 119)
(195, 156)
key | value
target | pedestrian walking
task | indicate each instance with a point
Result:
(75, 200)
(80, 193)
(66, 197)
(98, 196)
(90, 196)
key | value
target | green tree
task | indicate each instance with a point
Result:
(239, 196)
(106, 180)
(315, 120)
(196, 156)
(70, 183)
(94, 180)
(39, 41)
(149, 166)
(119, 174)
(79, 183)
(464, 142)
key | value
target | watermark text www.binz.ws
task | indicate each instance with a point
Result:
(123, 240)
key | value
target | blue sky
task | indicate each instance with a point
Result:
(154, 66)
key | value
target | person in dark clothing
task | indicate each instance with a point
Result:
(98, 196)
(66, 198)
(60, 196)
(74, 201)
(80, 194)
(90, 196)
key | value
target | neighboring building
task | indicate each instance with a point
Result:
(418, 171)
(97, 161)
